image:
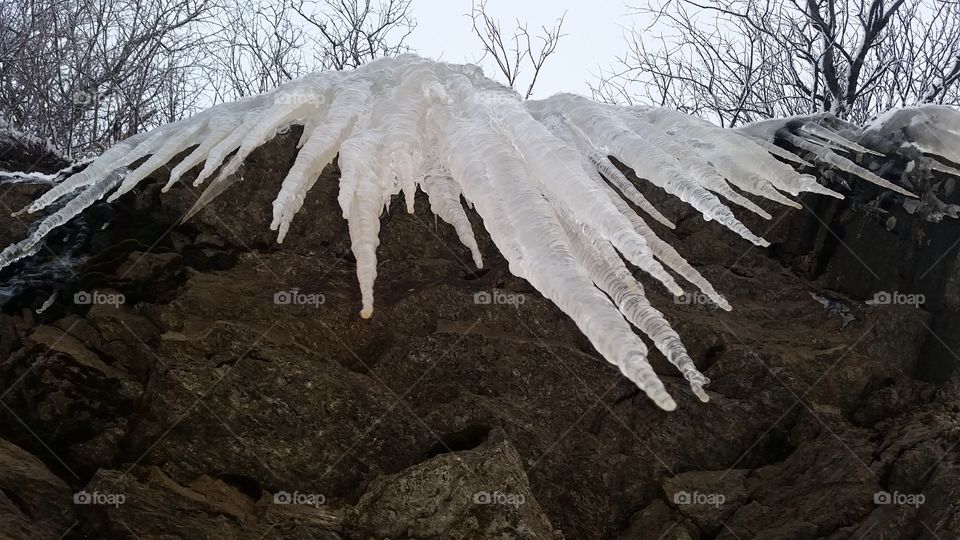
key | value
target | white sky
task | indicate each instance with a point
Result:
(593, 36)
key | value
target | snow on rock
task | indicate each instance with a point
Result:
(538, 173)
(10, 134)
(928, 129)
(934, 129)
(26, 151)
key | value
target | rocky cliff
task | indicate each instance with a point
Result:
(199, 381)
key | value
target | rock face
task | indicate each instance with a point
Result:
(34, 503)
(199, 381)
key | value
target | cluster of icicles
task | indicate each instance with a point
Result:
(539, 174)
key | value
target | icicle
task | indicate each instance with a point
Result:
(445, 203)
(288, 107)
(937, 166)
(79, 203)
(623, 184)
(782, 153)
(736, 157)
(218, 130)
(563, 128)
(665, 253)
(648, 161)
(120, 154)
(699, 169)
(47, 303)
(186, 137)
(444, 195)
(219, 152)
(607, 271)
(836, 138)
(826, 156)
(318, 151)
(364, 228)
(823, 143)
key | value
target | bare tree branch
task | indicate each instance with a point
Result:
(510, 53)
(86, 73)
(742, 60)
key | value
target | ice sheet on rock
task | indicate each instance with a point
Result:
(538, 174)
(7, 177)
(934, 129)
(26, 178)
(810, 134)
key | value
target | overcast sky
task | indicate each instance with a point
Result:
(592, 27)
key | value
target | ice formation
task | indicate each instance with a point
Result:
(934, 129)
(929, 133)
(539, 173)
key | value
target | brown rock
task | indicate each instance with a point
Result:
(34, 503)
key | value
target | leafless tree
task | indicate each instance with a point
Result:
(259, 44)
(348, 33)
(253, 46)
(937, 91)
(511, 53)
(742, 60)
(88, 72)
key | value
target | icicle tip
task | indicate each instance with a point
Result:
(664, 401)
